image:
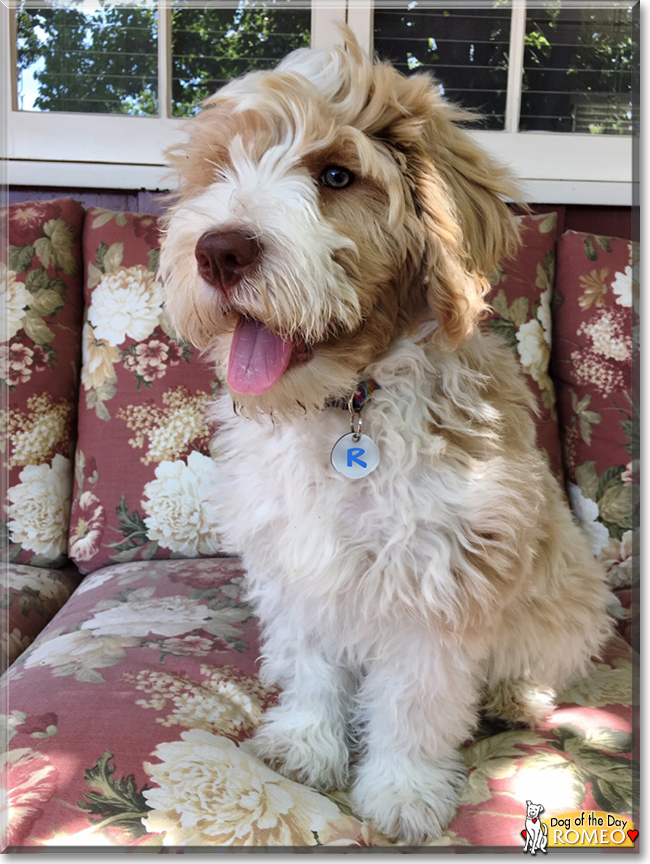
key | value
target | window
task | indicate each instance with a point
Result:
(578, 70)
(101, 87)
(465, 49)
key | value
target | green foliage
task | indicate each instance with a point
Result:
(505, 329)
(136, 544)
(116, 802)
(590, 249)
(106, 62)
(614, 779)
(211, 46)
(131, 525)
(20, 257)
(586, 418)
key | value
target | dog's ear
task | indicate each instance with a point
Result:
(459, 192)
(541, 808)
(528, 803)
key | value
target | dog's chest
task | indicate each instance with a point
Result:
(281, 499)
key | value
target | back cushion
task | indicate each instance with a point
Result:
(592, 360)
(42, 279)
(142, 472)
(521, 300)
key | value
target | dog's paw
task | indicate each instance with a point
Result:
(303, 748)
(407, 800)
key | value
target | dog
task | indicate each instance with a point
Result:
(536, 833)
(333, 232)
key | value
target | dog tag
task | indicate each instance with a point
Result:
(355, 456)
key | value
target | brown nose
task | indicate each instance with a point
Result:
(224, 257)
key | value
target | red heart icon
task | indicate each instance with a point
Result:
(633, 835)
(535, 820)
(523, 833)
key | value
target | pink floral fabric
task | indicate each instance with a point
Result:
(521, 300)
(42, 302)
(129, 719)
(142, 471)
(32, 596)
(592, 361)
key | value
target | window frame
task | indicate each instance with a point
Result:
(122, 152)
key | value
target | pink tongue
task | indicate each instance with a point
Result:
(258, 358)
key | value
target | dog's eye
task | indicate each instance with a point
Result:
(336, 177)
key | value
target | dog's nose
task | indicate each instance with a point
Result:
(224, 257)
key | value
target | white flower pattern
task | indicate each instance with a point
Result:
(39, 508)
(210, 792)
(585, 512)
(622, 287)
(177, 505)
(126, 303)
(14, 297)
(164, 616)
(78, 652)
(534, 352)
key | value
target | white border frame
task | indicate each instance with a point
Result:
(126, 153)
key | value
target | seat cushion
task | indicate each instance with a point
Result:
(592, 361)
(521, 299)
(142, 469)
(129, 719)
(41, 275)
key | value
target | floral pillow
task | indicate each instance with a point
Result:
(521, 312)
(142, 472)
(592, 358)
(42, 303)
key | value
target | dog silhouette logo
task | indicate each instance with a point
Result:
(535, 833)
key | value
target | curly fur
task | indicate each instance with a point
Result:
(389, 606)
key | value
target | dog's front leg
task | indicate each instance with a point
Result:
(416, 706)
(305, 736)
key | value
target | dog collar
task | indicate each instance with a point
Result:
(358, 399)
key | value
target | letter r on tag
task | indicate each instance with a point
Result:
(353, 456)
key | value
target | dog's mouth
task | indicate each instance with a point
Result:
(259, 357)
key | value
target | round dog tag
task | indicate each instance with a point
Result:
(355, 458)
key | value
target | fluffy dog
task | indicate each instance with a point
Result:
(335, 225)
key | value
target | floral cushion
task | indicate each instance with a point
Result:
(42, 302)
(521, 300)
(32, 596)
(592, 358)
(142, 470)
(129, 718)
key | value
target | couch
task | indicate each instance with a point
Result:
(131, 658)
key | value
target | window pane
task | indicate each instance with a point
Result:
(213, 44)
(465, 49)
(73, 56)
(578, 70)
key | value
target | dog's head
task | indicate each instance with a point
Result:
(323, 209)
(533, 810)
